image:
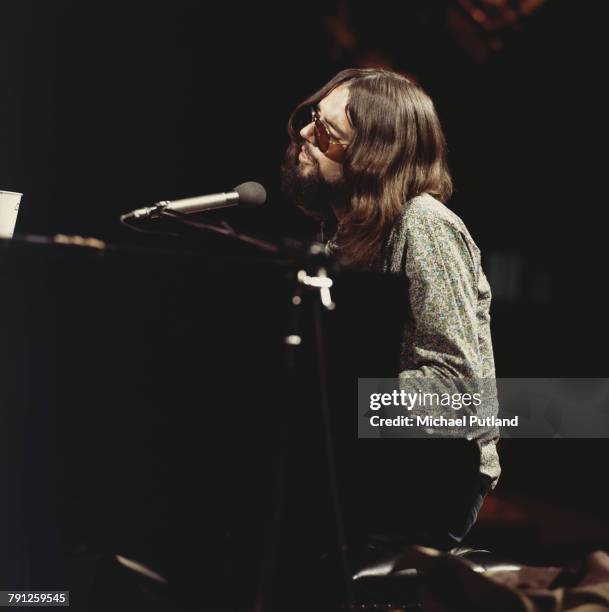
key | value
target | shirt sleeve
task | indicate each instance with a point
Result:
(442, 267)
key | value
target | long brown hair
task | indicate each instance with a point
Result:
(397, 153)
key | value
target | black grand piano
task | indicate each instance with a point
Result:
(189, 414)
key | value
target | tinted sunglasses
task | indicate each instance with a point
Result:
(330, 148)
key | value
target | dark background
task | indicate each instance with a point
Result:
(106, 107)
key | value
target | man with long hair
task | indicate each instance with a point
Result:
(367, 157)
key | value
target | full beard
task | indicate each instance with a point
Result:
(304, 186)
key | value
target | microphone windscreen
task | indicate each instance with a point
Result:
(251, 193)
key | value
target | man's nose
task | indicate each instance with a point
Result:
(308, 133)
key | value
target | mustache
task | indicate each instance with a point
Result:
(306, 147)
(295, 148)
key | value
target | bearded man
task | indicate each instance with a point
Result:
(367, 157)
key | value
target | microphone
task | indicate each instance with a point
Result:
(246, 194)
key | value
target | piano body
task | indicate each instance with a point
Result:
(148, 409)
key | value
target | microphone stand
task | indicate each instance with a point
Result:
(289, 247)
(224, 230)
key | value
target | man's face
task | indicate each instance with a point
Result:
(310, 178)
(333, 114)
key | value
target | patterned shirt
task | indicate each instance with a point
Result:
(447, 332)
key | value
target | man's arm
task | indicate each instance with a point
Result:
(442, 270)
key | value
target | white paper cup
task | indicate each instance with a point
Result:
(9, 208)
